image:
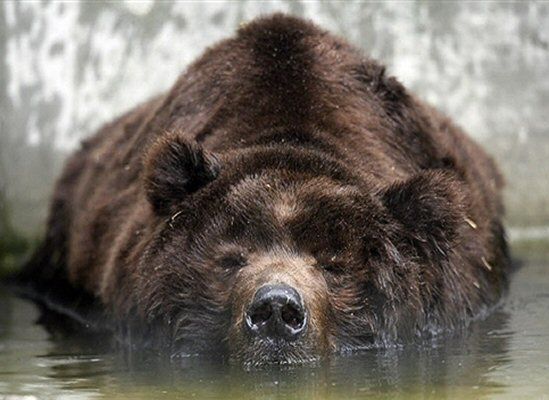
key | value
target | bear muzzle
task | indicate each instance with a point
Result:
(279, 311)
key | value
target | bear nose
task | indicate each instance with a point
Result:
(277, 311)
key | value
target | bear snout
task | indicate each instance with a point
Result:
(277, 312)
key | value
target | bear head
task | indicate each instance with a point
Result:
(279, 253)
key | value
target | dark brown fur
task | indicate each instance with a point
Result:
(281, 155)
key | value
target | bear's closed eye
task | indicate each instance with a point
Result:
(332, 267)
(232, 261)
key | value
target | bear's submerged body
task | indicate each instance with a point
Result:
(285, 200)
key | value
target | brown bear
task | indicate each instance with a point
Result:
(284, 201)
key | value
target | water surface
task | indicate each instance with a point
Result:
(505, 356)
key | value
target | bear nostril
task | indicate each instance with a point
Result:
(277, 311)
(292, 316)
(261, 314)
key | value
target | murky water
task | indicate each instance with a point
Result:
(504, 356)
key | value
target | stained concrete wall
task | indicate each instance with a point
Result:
(65, 68)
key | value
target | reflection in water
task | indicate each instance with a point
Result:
(502, 356)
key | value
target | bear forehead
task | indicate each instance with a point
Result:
(282, 198)
(267, 210)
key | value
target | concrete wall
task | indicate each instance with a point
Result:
(65, 68)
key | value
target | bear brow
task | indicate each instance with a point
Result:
(293, 159)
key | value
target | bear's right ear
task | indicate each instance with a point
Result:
(430, 206)
(174, 168)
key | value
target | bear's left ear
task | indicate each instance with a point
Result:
(430, 206)
(174, 168)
